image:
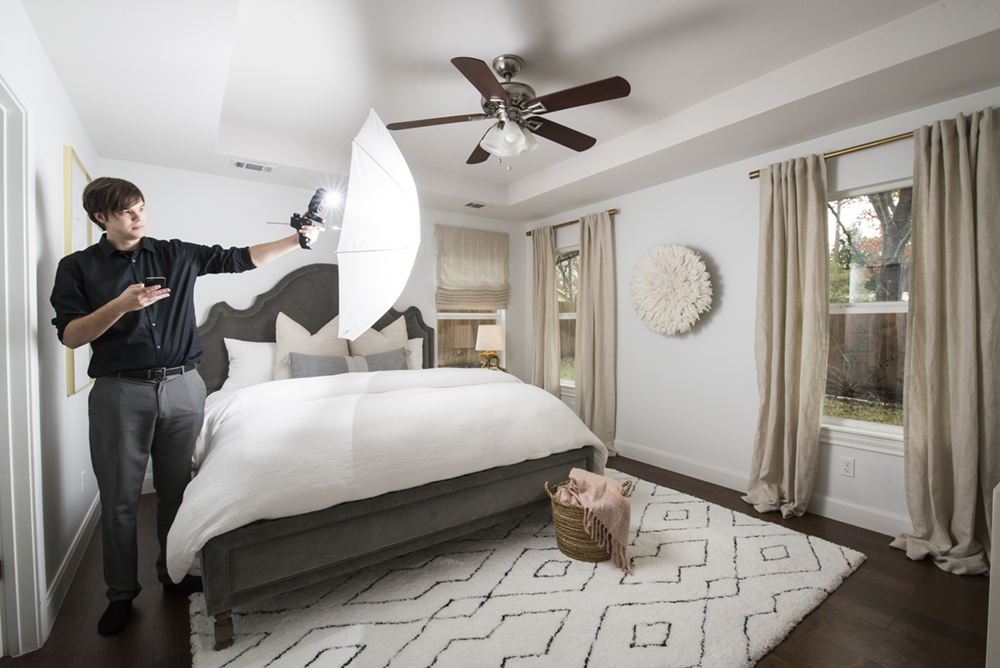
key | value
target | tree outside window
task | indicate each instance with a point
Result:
(567, 284)
(869, 289)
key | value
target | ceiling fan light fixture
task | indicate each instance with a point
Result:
(512, 134)
(530, 143)
(507, 139)
(493, 140)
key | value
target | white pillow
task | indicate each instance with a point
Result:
(292, 337)
(250, 363)
(415, 360)
(372, 342)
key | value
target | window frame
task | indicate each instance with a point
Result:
(859, 434)
(568, 387)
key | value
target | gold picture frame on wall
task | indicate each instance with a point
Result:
(78, 233)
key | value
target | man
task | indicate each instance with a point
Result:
(148, 400)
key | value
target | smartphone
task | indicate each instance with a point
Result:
(155, 280)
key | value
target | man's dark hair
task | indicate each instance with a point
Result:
(109, 196)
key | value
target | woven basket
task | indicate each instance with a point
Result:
(572, 539)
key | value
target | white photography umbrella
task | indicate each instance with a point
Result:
(380, 232)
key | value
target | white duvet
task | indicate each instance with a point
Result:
(294, 446)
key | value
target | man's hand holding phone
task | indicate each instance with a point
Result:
(152, 289)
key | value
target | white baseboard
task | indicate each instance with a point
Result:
(716, 475)
(873, 519)
(865, 517)
(67, 569)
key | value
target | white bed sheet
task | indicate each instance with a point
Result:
(293, 446)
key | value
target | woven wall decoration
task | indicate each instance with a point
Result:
(670, 289)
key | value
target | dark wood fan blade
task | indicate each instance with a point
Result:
(598, 91)
(480, 75)
(561, 134)
(479, 154)
(406, 125)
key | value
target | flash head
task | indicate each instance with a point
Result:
(318, 200)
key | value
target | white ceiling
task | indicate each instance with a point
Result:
(192, 84)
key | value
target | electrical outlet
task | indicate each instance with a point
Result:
(847, 467)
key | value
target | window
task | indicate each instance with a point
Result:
(456, 334)
(869, 289)
(567, 283)
(473, 289)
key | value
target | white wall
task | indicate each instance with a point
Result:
(209, 209)
(689, 402)
(67, 497)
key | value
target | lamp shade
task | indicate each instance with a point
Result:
(490, 337)
(507, 139)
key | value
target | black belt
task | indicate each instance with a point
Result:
(158, 373)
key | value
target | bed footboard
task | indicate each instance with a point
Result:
(270, 557)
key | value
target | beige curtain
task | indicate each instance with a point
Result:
(472, 268)
(791, 339)
(596, 391)
(951, 395)
(545, 311)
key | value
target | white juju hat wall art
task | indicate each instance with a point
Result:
(670, 289)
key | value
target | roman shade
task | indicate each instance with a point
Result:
(472, 268)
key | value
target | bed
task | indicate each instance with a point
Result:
(262, 558)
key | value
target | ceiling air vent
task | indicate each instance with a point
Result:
(477, 205)
(252, 166)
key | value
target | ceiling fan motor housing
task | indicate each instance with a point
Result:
(519, 93)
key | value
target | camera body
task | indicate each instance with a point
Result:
(311, 216)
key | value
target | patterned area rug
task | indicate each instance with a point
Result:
(712, 588)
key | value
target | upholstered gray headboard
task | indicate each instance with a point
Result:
(310, 296)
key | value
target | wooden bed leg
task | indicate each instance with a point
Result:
(223, 630)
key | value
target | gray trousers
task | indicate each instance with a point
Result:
(131, 421)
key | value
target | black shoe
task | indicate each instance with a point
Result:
(115, 617)
(191, 584)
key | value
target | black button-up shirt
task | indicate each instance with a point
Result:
(164, 334)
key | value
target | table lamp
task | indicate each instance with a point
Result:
(490, 340)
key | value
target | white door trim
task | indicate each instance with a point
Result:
(21, 532)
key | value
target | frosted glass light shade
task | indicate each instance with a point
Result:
(490, 337)
(508, 141)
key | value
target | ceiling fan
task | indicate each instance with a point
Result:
(518, 111)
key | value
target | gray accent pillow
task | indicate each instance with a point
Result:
(307, 366)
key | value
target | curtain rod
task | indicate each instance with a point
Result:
(859, 147)
(610, 212)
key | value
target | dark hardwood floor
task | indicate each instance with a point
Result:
(891, 612)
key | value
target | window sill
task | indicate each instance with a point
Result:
(881, 438)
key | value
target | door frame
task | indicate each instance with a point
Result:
(21, 534)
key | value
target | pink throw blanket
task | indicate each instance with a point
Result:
(606, 511)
